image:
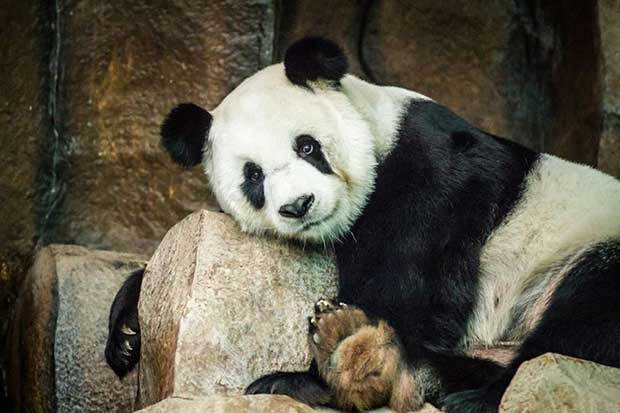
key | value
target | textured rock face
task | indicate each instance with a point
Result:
(247, 404)
(609, 152)
(524, 70)
(555, 383)
(58, 337)
(219, 308)
(23, 126)
(239, 404)
(126, 65)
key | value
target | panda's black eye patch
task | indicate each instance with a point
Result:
(252, 186)
(309, 149)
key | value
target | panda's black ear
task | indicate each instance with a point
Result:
(314, 58)
(185, 132)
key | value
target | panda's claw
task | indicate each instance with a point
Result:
(125, 329)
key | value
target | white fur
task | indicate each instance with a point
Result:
(565, 209)
(259, 121)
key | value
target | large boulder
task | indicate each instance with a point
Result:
(556, 383)
(220, 308)
(249, 404)
(58, 337)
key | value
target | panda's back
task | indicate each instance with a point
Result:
(565, 210)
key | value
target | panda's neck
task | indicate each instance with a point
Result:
(382, 107)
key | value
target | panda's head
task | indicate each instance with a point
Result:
(287, 152)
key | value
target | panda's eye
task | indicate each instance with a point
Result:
(253, 172)
(306, 149)
(305, 146)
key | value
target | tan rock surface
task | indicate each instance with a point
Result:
(556, 383)
(58, 339)
(247, 404)
(220, 308)
(239, 404)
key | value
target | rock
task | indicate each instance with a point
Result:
(239, 404)
(609, 151)
(219, 308)
(58, 337)
(126, 64)
(247, 404)
(556, 383)
(24, 125)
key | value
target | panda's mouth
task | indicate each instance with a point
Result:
(307, 225)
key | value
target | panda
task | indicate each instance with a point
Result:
(447, 238)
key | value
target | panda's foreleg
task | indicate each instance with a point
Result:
(122, 350)
(582, 320)
(305, 386)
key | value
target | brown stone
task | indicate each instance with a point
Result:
(556, 383)
(247, 404)
(609, 151)
(58, 336)
(239, 404)
(126, 65)
(220, 308)
(23, 127)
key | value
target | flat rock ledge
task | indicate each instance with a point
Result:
(219, 308)
(246, 404)
(557, 383)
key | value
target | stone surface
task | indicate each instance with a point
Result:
(556, 383)
(523, 70)
(239, 404)
(58, 338)
(609, 152)
(23, 127)
(220, 308)
(247, 404)
(126, 64)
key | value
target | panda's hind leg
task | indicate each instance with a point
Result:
(360, 359)
(122, 349)
(582, 320)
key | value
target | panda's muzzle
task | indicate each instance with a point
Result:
(298, 208)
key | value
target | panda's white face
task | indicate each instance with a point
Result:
(293, 161)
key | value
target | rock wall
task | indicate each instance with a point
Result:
(608, 20)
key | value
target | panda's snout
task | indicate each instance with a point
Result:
(298, 208)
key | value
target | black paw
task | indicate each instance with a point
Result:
(472, 401)
(122, 350)
(304, 387)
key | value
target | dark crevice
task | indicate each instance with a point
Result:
(50, 183)
(364, 19)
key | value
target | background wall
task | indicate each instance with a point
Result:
(85, 85)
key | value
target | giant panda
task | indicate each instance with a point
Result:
(446, 237)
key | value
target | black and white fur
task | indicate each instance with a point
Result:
(454, 236)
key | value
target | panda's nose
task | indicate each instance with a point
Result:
(297, 208)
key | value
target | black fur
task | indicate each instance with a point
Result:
(254, 190)
(184, 133)
(315, 58)
(124, 312)
(316, 158)
(306, 387)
